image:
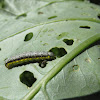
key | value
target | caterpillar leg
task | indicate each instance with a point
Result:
(43, 63)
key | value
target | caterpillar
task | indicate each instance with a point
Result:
(30, 57)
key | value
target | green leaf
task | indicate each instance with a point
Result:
(59, 26)
(35, 17)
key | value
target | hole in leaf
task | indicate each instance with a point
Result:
(88, 60)
(76, 7)
(99, 16)
(75, 67)
(63, 34)
(2, 4)
(68, 41)
(99, 58)
(43, 64)
(45, 44)
(27, 78)
(0, 49)
(40, 12)
(86, 27)
(22, 15)
(52, 17)
(28, 36)
(45, 30)
(59, 52)
(92, 7)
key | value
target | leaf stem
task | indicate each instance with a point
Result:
(77, 50)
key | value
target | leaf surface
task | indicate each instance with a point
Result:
(52, 25)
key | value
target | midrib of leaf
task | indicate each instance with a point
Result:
(82, 46)
(68, 19)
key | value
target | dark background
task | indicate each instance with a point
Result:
(95, 96)
(95, 1)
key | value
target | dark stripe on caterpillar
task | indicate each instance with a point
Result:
(29, 57)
